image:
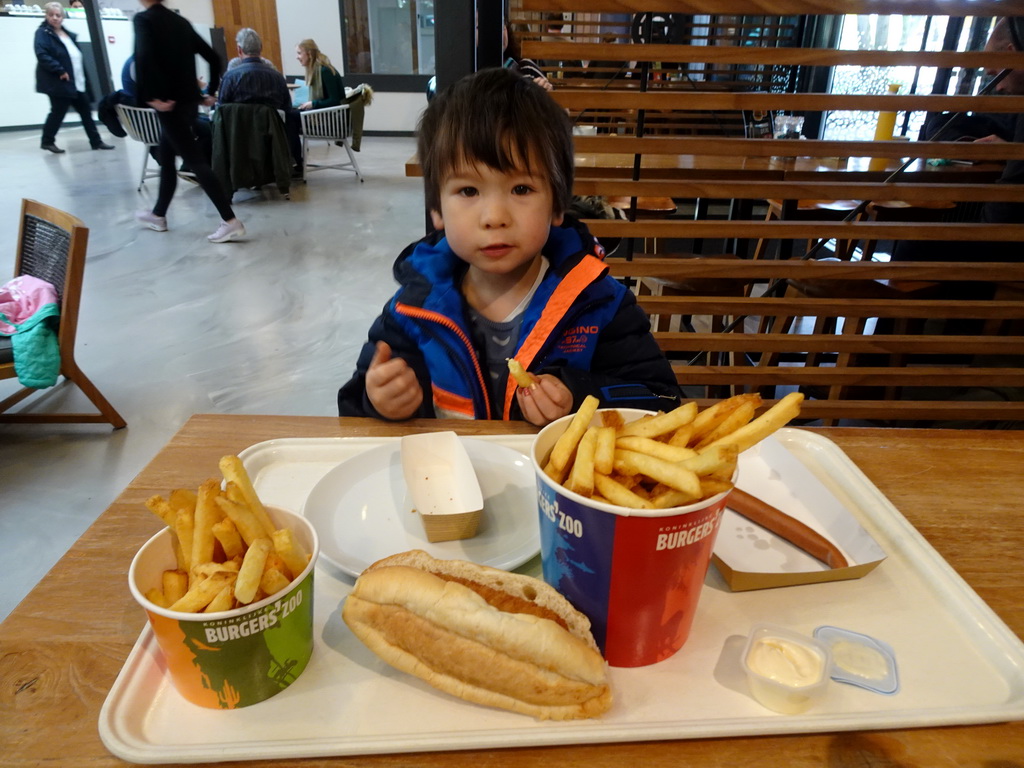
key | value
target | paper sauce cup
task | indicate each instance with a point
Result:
(636, 574)
(232, 658)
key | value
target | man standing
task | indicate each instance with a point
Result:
(254, 81)
(166, 46)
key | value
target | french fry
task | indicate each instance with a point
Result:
(205, 570)
(671, 497)
(184, 522)
(742, 414)
(273, 581)
(207, 514)
(175, 585)
(290, 550)
(662, 423)
(557, 475)
(160, 507)
(681, 436)
(249, 528)
(202, 592)
(776, 417)
(182, 498)
(234, 471)
(671, 474)
(252, 569)
(222, 601)
(612, 419)
(517, 372)
(566, 444)
(711, 417)
(618, 494)
(581, 477)
(711, 459)
(156, 596)
(604, 451)
(710, 486)
(654, 448)
(229, 538)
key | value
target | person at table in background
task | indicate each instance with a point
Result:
(60, 74)
(514, 60)
(326, 87)
(254, 81)
(77, 4)
(166, 46)
(506, 273)
(1005, 36)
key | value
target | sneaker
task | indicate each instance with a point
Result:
(151, 220)
(101, 145)
(228, 230)
(52, 148)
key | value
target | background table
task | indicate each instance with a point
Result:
(61, 649)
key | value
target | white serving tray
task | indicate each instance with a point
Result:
(958, 662)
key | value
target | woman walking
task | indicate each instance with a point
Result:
(165, 79)
(60, 74)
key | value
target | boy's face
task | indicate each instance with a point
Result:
(496, 222)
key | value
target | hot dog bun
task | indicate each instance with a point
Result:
(487, 636)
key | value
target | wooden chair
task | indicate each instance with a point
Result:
(51, 247)
(142, 125)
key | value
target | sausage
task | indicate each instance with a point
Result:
(789, 528)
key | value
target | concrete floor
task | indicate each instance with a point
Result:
(172, 325)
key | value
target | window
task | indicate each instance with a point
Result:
(389, 37)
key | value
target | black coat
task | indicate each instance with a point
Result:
(165, 58)
(52, 61)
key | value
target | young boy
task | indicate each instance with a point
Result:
(506, 274)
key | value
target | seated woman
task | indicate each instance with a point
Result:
(326, 88)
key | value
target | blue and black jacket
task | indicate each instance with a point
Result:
(581, 325)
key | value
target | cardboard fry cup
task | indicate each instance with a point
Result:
(636, 574)
(233, 658)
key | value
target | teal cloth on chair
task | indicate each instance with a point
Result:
(35, 347)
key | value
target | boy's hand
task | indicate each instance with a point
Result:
(548, 399)
(391, 385)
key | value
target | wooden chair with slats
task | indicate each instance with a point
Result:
(52, 246)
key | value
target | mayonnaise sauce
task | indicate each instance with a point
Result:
(785, 662)
(859, 659)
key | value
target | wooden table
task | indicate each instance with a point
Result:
(61, 649)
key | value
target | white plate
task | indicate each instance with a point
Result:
(362, 511)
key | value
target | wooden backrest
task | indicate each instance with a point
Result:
(647, 89)
(51, 246)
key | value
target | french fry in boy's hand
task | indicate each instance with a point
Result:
(517, 372)
(202, 592)
(252, 570)
(234, 471)
(581, 476)
(776, 417)
(566, 444)
(290, 551)
(662, 423)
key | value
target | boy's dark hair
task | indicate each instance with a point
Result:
(501, 119)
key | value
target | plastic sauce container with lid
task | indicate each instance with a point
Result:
(787, 672)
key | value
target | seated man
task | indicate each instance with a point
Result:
(1004, 127)
(253, 81)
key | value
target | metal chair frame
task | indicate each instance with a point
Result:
(141, 124)
(330, 124)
